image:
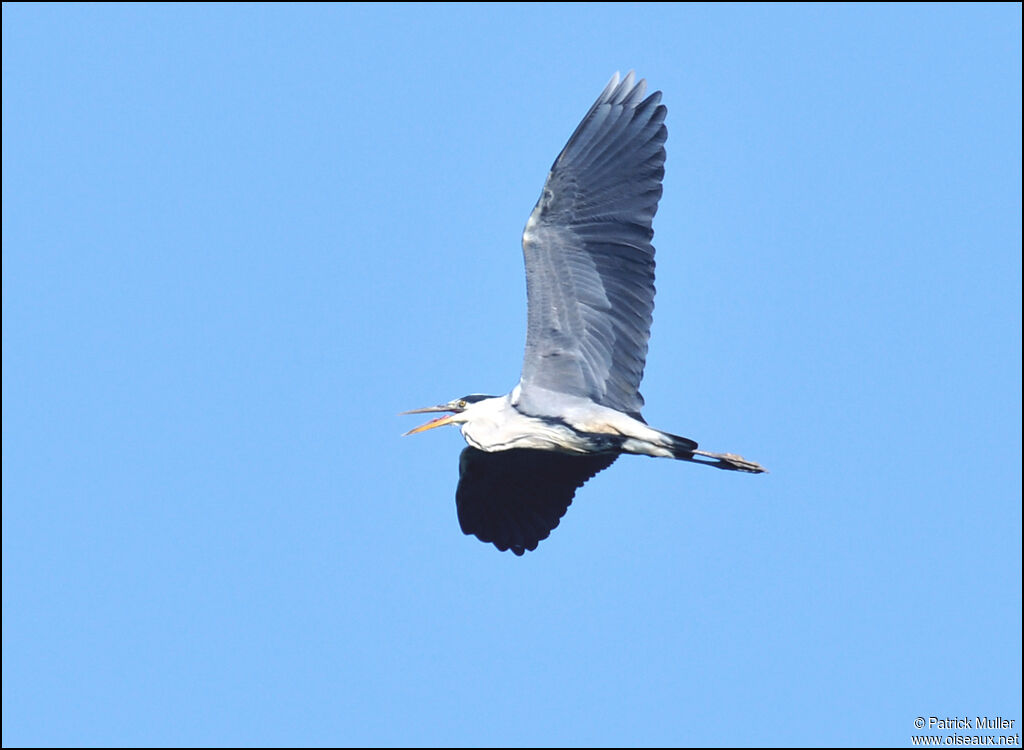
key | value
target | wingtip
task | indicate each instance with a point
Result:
(626, 89)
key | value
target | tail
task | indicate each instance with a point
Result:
(686, 450)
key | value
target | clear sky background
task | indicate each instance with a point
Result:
(238, 240)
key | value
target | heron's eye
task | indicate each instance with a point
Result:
(462, 403)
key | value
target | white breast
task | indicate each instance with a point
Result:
(493, 425)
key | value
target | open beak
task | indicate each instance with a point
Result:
(439, 422)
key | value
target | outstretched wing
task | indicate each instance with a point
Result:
(589, 258)
(514, 498)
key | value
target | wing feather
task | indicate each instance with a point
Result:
(514, 498)
(589, 257)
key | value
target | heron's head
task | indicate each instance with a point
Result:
(459, 412)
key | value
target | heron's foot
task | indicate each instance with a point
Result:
(729, 462)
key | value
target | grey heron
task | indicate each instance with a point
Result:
(590, 294)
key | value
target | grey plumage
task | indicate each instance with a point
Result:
(589, 257)
(590, 288)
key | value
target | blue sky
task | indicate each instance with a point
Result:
(238, 240)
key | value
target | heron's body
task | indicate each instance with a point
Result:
(498, 423)
(590, 288)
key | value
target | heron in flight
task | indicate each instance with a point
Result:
(590, 290)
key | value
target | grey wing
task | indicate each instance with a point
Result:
(589, 258)
(514, 498)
